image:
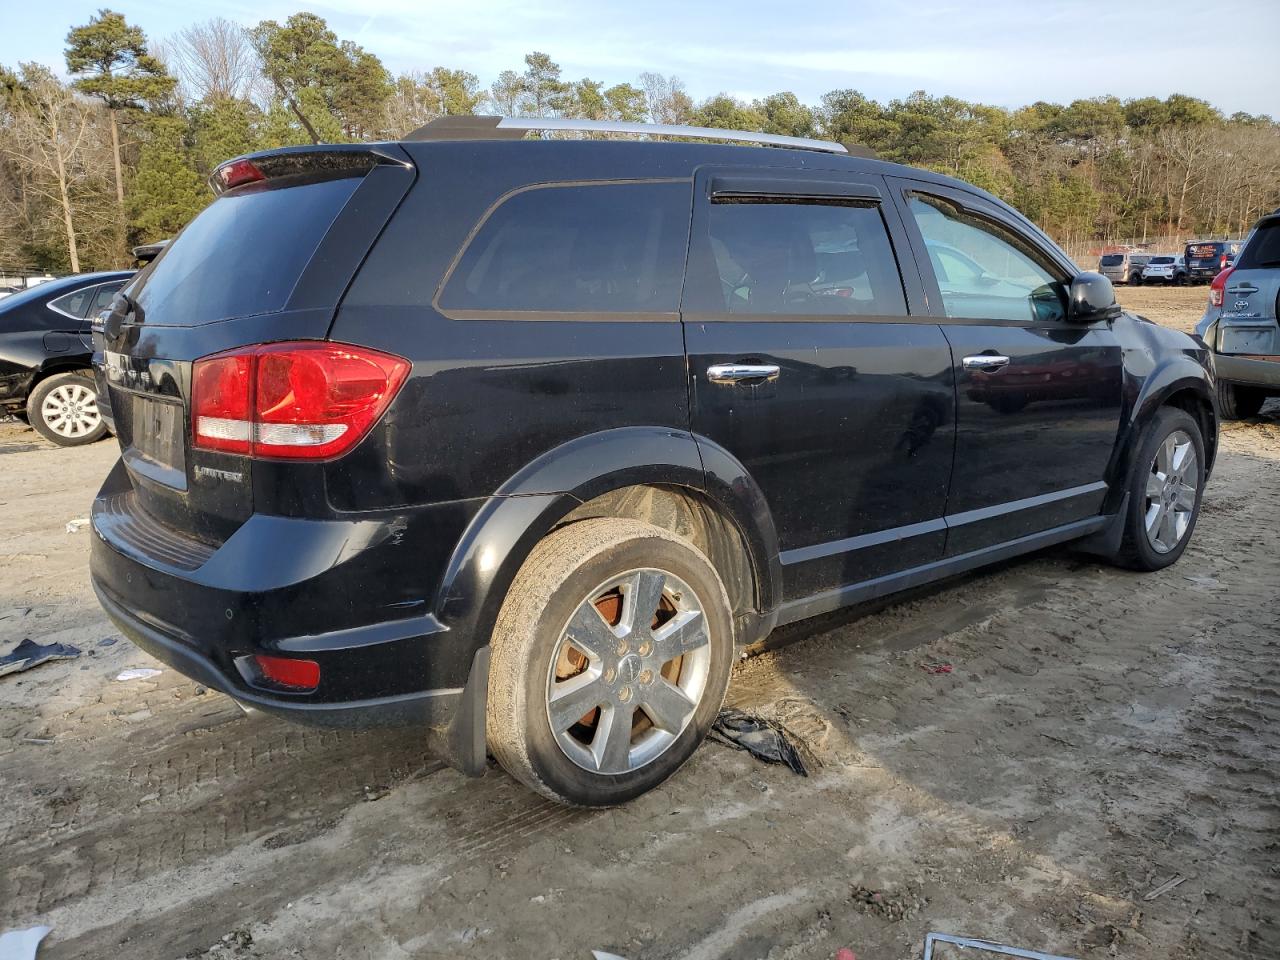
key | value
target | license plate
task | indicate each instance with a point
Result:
(156, 432)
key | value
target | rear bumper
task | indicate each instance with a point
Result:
(1248, 371)
(353, 595)
(426, 707)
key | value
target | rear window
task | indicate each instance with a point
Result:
(583, 248)
(1112, 260)
(242, 255)
(1204, 250)
(1263, 249)
(1162, 259)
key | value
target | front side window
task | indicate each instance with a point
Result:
(795, 257)
(984, 271)
(580, 249)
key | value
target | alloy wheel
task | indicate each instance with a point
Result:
(1171, 491)
(630, 668)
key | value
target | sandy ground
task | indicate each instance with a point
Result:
(1100, 734)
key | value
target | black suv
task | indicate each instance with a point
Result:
(45, 373)
(520, 440)
(1205, 259)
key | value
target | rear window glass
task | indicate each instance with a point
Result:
(1162, 259)
(242, 255)
(593, 248)
(1112, 260)
(1203, 250)
(1263, 249)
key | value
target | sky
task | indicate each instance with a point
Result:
(1002, 52)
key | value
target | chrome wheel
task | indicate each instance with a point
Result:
(71, 411)
(1171, 491)
(630, 668)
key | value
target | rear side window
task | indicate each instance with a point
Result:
(1263, 249)
(242, 255)
(73, 303)
(796, 257)
(604, 248)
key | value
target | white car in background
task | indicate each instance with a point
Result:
(1165, 268)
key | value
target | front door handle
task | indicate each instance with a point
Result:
(742, 372)
(986, 362)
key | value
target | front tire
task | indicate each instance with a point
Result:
(1165, 492)
(64, 408)
(611, 657)
(1239, 403)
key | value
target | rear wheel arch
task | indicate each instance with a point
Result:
(653, 474)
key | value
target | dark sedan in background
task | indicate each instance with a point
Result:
(45, 350)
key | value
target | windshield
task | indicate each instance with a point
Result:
(242, 255)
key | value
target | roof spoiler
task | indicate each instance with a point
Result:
(514, 128)
(338, 159)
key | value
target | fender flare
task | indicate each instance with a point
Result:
(1174, 376)
(530, 504)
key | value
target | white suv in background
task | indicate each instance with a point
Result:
(1165, 268)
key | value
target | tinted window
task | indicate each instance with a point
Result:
(242, 255)
(1263, 249)
(1112, 260)
(102, 298)
(599, 248)
(1002, 277)
(73, 303)
(1162, 259)
(799, 258)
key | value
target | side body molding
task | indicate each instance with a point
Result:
(530, 504)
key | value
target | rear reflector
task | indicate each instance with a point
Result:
(299, 675)
(307, 400)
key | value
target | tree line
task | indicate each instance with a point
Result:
(119, 153)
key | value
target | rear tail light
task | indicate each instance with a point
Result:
(1218, 289)
(308, 400)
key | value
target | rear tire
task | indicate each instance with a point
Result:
(1164, 493)
(1239, 403)
(64, 408)
(576, 655)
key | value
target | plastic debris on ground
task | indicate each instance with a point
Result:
(74, 525)
(763, 739)
(985, 946)
(138, 673)
(22, 944)
(936, 667)
(30, 654)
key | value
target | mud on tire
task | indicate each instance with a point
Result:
(575, 636)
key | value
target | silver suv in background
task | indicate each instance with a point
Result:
(1240, 323)
(1165, 269)
(1124, 267)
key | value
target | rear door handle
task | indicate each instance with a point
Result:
(986, 362)
(1243, 288)
(742, 372)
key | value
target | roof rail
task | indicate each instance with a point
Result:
(513, 128)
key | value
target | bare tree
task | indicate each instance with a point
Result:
(666, 98)
(48, 125)
(215, 60)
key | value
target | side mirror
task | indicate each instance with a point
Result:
(1092, 298)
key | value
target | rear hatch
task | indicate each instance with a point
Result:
(1248, 324)
(269, 260)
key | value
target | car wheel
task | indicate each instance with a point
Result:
(1165, 492)
(1136, 279)
(64, 408)
(1238, 403)
(610, 661)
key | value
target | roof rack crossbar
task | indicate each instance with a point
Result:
(503, 128)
